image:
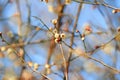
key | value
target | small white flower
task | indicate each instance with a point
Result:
(30, 64)
(47, 66)
(63, 35)
(83, 38)
(9, 50)
(54, 21)
(56, 41)
(50, 8)
(57, 35)
(3, 48)
(114, 11)
(36, 66)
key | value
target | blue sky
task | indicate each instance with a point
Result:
(38, 53)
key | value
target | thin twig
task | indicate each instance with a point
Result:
(80, 35)
(42, 22)
(96, 49)
(90, 57)
(72, 37)
(24, 44)
(64, 60)
(96, 3)
(114, 69)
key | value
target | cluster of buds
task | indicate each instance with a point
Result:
(34, 65)
(11, 53)
(59, 37)
(47, 66)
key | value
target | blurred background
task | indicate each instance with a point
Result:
(29, 49)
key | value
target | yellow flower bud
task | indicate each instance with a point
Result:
(57, 35)
(30, 64)
(10, 50)
(54, 21)
(63, 35)
(3, 48)
(36, 66)
(67, 1)
(47, 66)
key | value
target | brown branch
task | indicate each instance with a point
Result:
(72, 37)
(90, 57)
(22, 60)
(85, 55)
(14, 45)
(97, 47)
(19, 17)
(96, 3)
(52, 43)
(64, 61)
(114, 69)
